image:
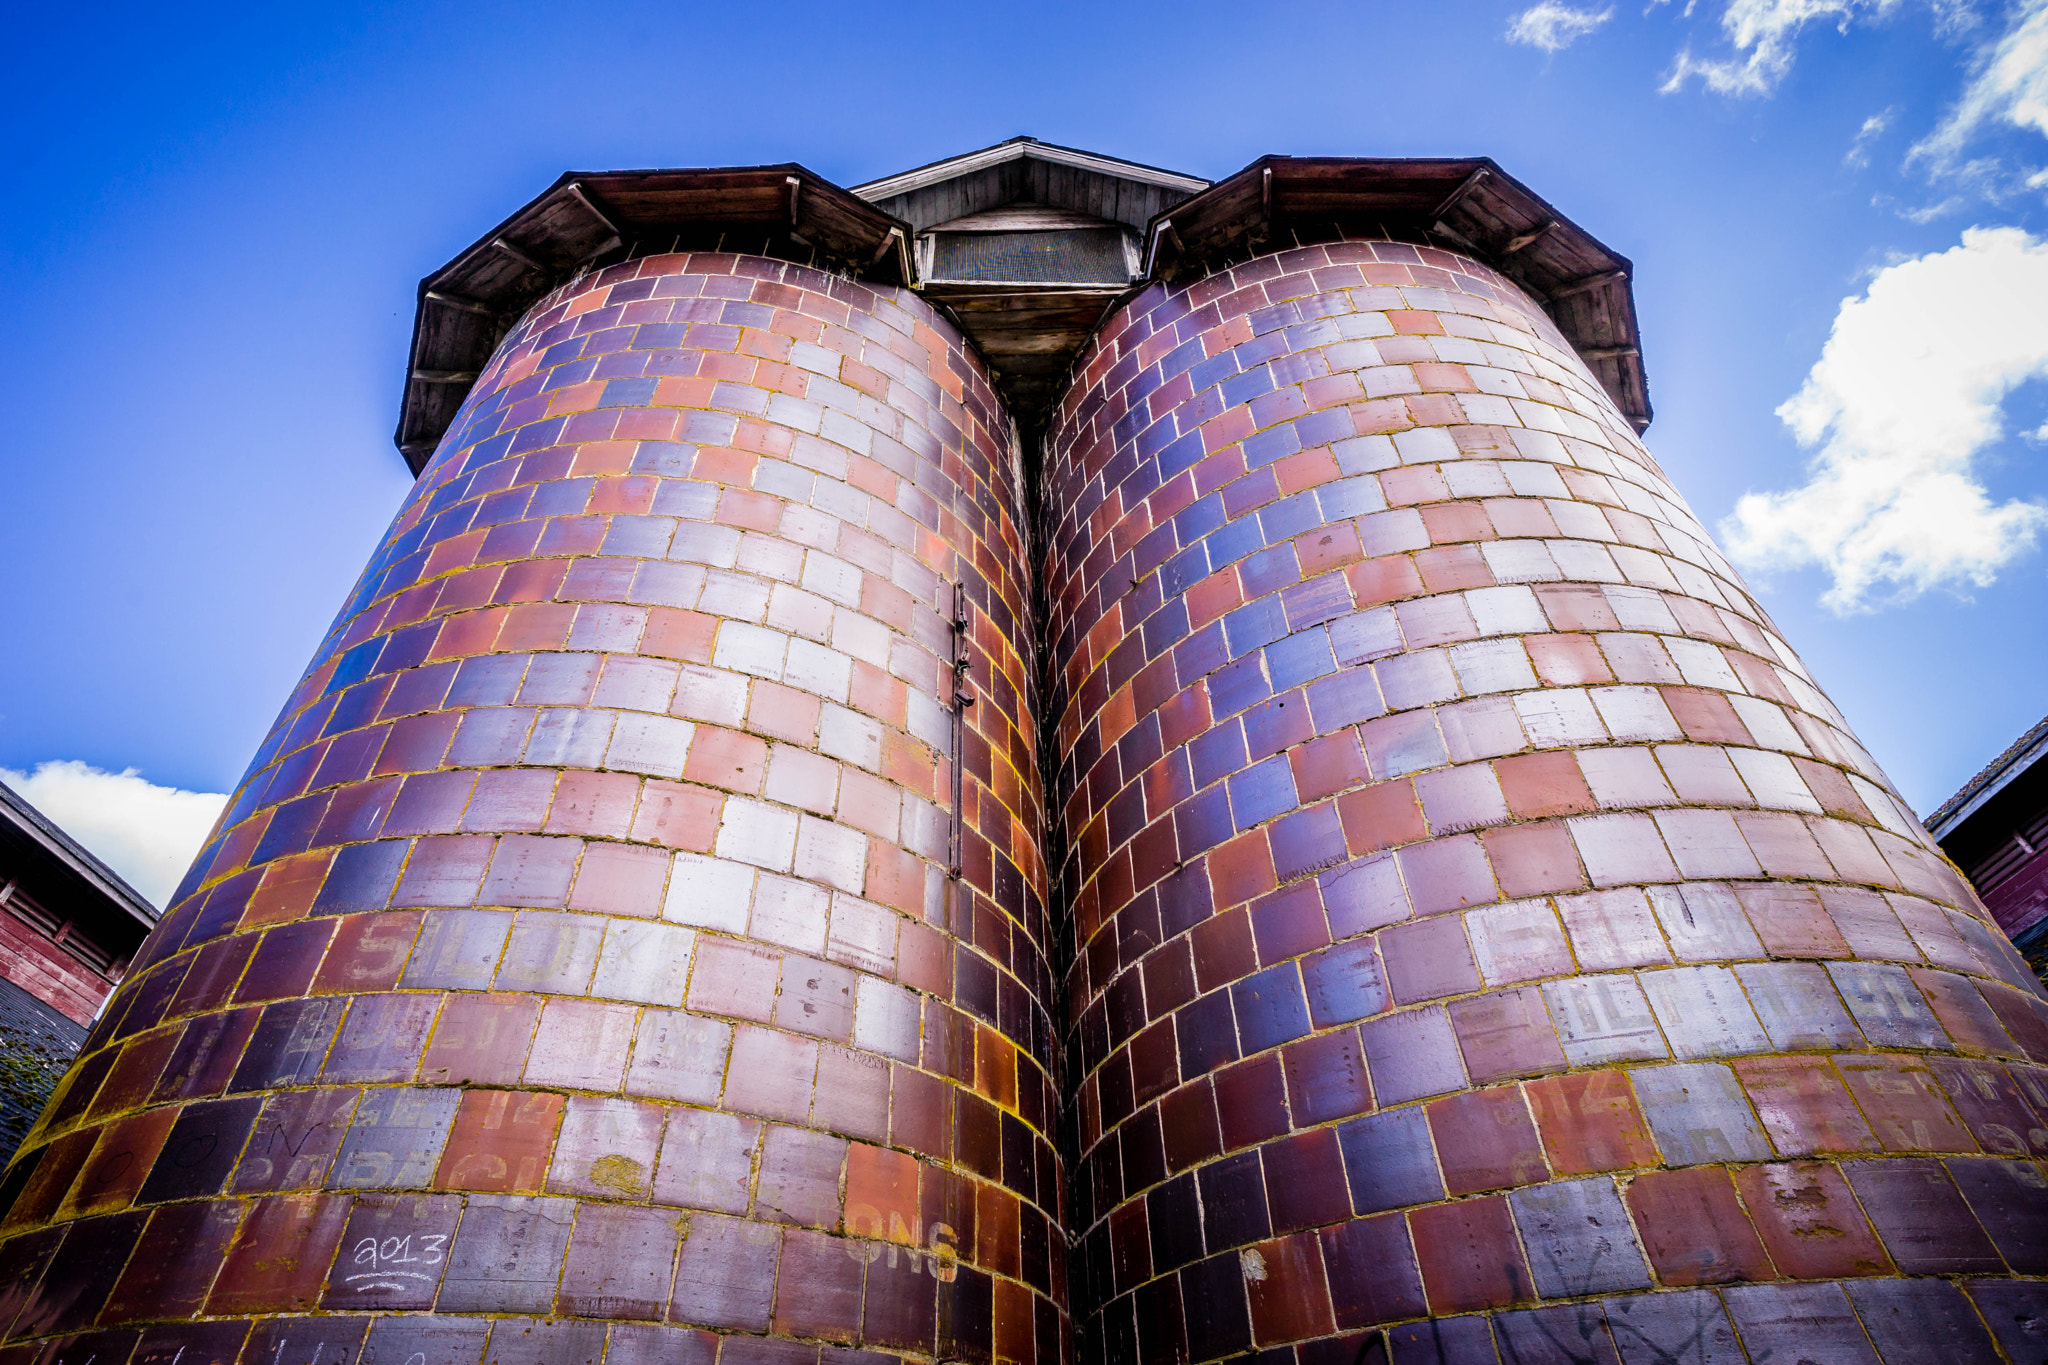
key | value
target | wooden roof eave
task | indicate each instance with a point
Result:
(466, 306)
(1470, 203)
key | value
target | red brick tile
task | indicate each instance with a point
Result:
(1804, 1106)
(1809, 1221)
(1381, 816)
(1590, 1122)
(1504, 1034)
(501, 1142)
(1289, 1292)
(1905, 1106)
(1485, 1141)
(1693, 1228)
(1544, 784)
(280, 1258)
(1469, 1257)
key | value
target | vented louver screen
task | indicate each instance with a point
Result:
(27, 910)
(88, 952)
(1067, 256)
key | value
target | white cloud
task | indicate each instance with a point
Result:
(1555, 27)
(148, 834)
(1762, 32)
(1873, 128)
(1906, 395)
(2011, 86)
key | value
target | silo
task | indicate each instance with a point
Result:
(1487, 930)
(605, 954)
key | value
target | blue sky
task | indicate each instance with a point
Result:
(214, 224)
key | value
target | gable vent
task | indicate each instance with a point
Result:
(1069, 256)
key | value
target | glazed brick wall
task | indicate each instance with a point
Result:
(1486, 929)
(579, 962)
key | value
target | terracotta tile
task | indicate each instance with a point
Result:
(1428, 960)
(1991, 1104)
(200, 1152)
(1962, 1012)
(581, 1044)
(80, 1275)
(678, 1056)
(1343, 983)
(382, 1038)
(1326, 1078)
(1506, 1033)
(500, 1142)
(1287, 1289)
(1305, 1181)
(1589, 1122)
(530, 1341)
(1921, 1217)
(1809, 1221)
(1372, 1271)
(173, 1265)
(1792, 922)
(480, 1039)
(1807, 1319)
(800, 1177)
(1251, 1101)
(294, 1140)
(1698, 1114)
(201, 1343)
(1901, 1316)
(395, 1138)
(435, 1340)
(1534, 859)
(1469, 1256)
(1905, 1106)
(206, 1055)
(2010, 1199)
(1694, 1229)
(818, 1293)
(772, 1074)
(726, 1274)
(607, 1148)
(280, 1258)
(1519, 941)
(1411, 1055)
(1486, 1141)
(735, 978)
(120, 1162)
(367, 954)
(507, 1254)
(1804, 1106)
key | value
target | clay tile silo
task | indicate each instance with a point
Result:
(1043, 761)
(1485, 927)
(578, 973)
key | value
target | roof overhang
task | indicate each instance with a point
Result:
(1026, 149)
(588, 218)
(35, 849)
(1470, 205)
(2009, 767)
(1029, 335)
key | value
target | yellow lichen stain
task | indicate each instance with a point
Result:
(620, 1173)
